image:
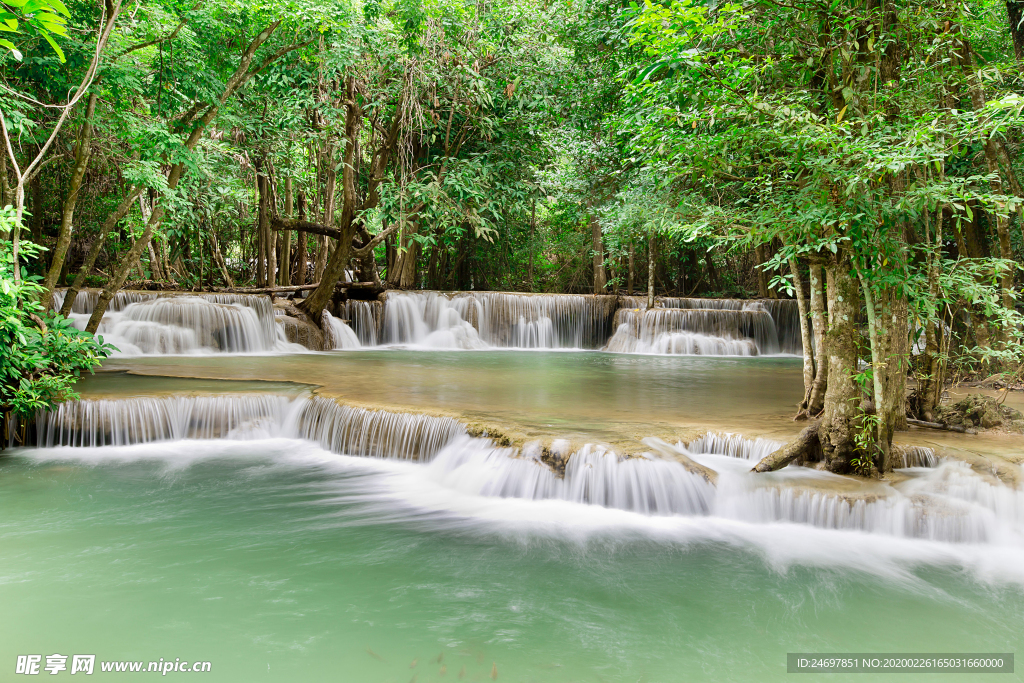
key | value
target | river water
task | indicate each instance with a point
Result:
(229, 515)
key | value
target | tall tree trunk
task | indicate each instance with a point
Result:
(285, 236)
(629, 287)
(597, 245)
(650, 273)
(819, 325)
(805, 335)
(762, 276)
(1015, 13)
(60, 250)
(842, 396)
(301, 251)
(930, 388)
(879, 369)
(998, 161)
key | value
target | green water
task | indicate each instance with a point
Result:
(555, 392)
(279, 562)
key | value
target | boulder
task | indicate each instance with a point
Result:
(301, 332)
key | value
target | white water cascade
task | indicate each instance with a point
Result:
(707, 327)
(476, 320)
(948, 502)
(337, 428)
(339, 334)
(150, 323)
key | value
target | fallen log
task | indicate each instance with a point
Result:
(804, 443)
(263, 290)
(944, 427)
(290, 288)
(279, 224)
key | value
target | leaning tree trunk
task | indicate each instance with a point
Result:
(97, 246)
(239, 78)
(60, 251)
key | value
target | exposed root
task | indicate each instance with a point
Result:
(803, 446)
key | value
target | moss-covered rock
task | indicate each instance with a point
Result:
(976, 410)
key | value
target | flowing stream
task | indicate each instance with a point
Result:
(396, 515)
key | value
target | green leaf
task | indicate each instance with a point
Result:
(10, 46)
(56, 48)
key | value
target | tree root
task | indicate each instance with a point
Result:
(803, 445)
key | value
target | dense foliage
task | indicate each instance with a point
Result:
(43, 353)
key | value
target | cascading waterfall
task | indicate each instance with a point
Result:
(124, 422)
(364, 317)
(428, 319)
(733, 445)
(157, 324)
(374, 433)
(720, 327)
(149, 323)
(593, 475)
(719, 332)
(337, 428)
(949, 502)
(190, 324)
(473, 320)
(339, 335)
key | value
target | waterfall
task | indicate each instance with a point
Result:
(428, 319)
(723, 332)
(172, 324)
(723, 327)
(364, 317)
(340, 429)
(192, 324)
(473, 320)
(123, 422)
(733, 445)
(339, 335)
(949, 502)
(593, 476)
(374, 433)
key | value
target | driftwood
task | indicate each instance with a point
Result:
(804, 443)
(944, 427)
